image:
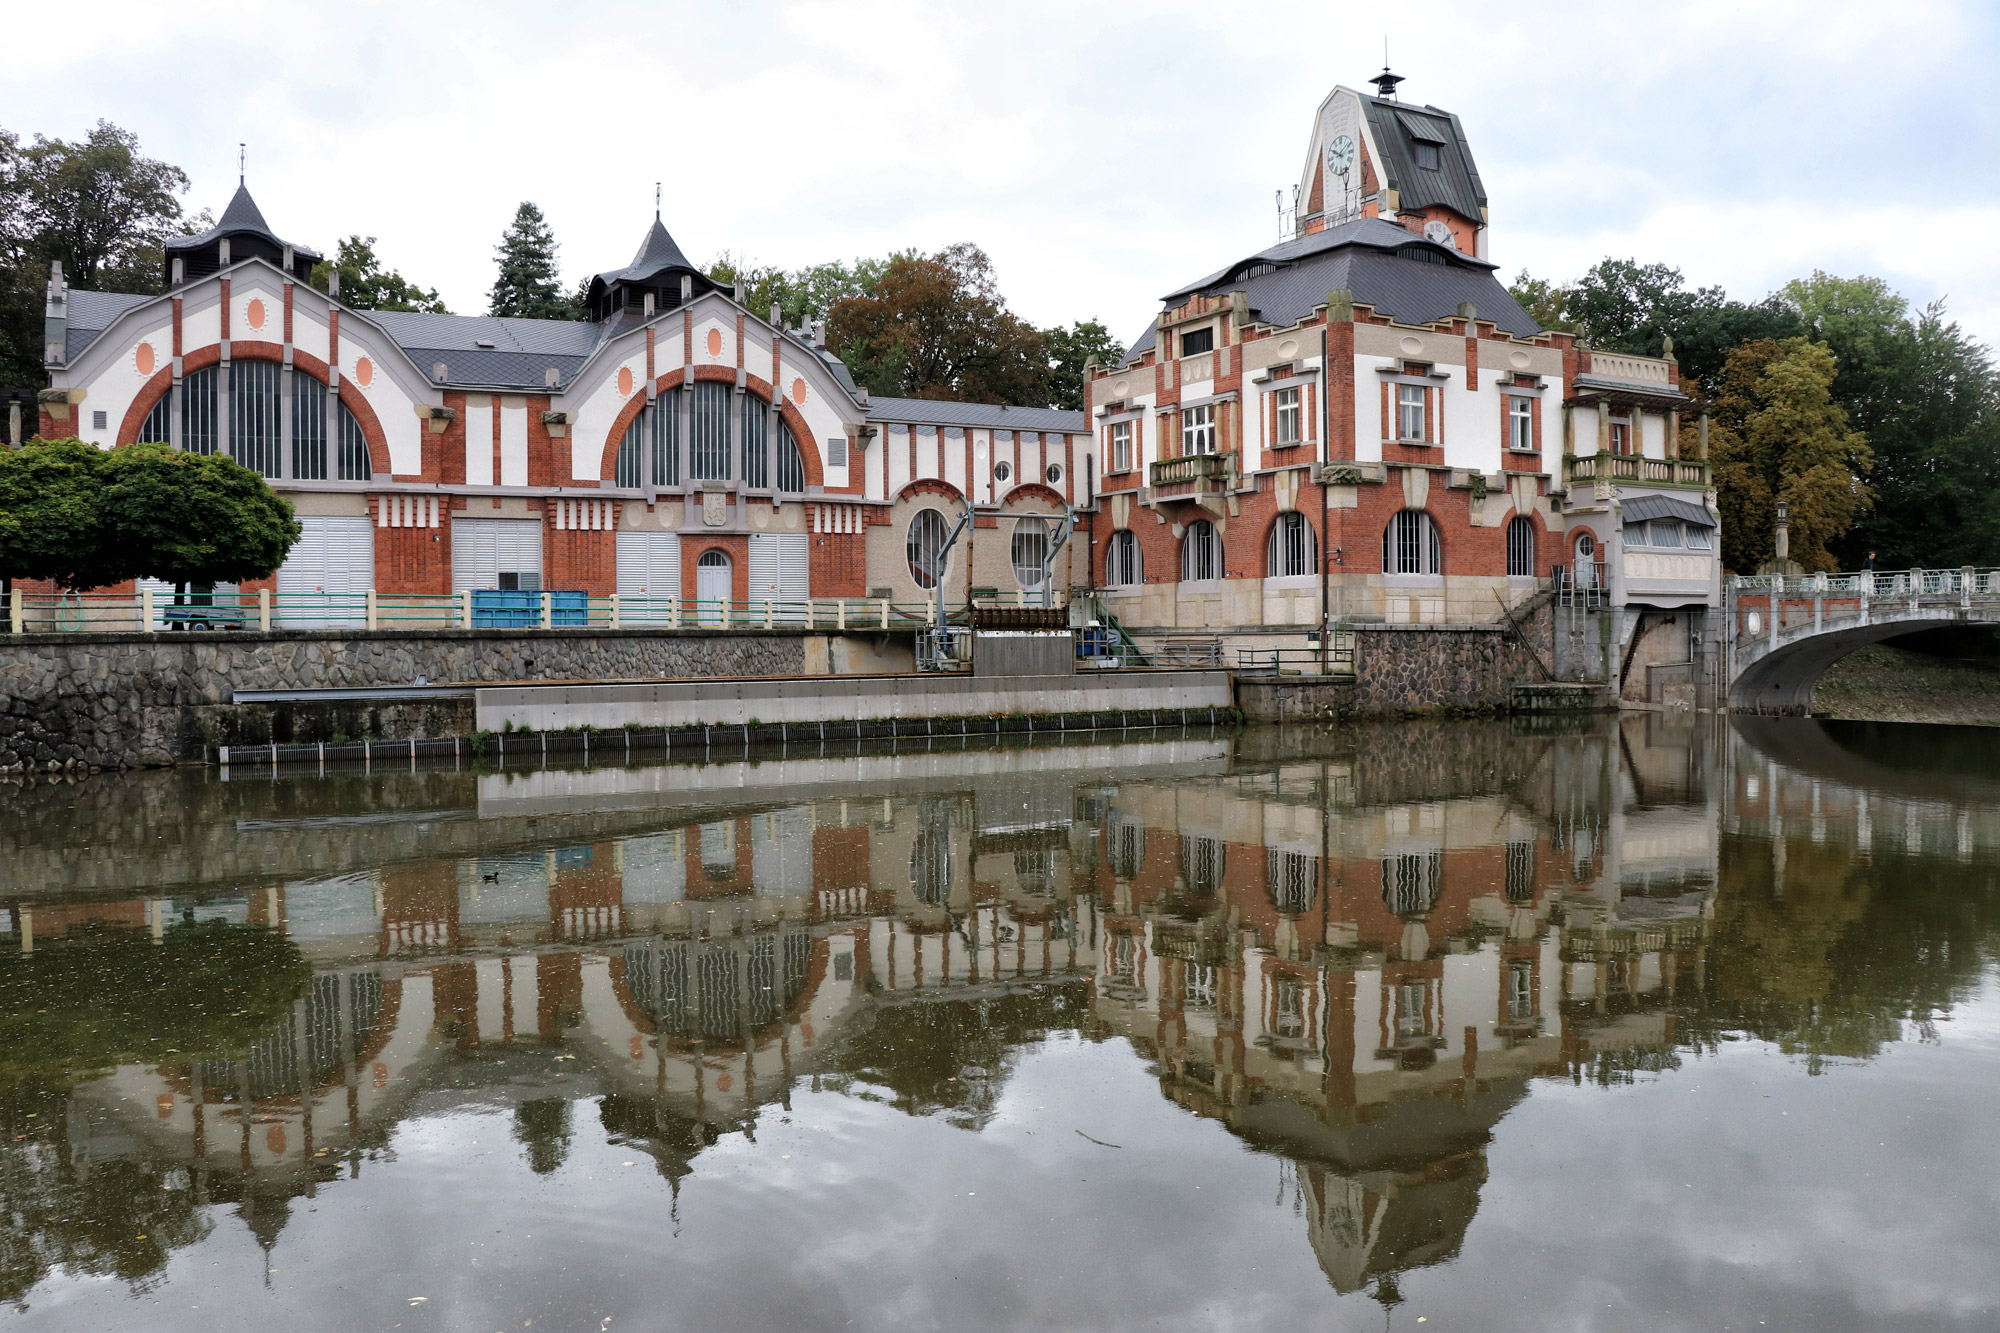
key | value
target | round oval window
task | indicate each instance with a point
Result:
(1055, 474)
(1002, 471)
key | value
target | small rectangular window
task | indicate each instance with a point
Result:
(1697, 538)
(1427, 155)
(1196, 341)
(1198, 430)
(1621, 437)
(1665, 532)
(1410, 412)
(1121, 446)
(836, 451)
(1635, 535)
(99, 420)
(1520, 423)
(1289, 416)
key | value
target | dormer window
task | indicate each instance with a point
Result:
(1196, 341)
(1427, 155)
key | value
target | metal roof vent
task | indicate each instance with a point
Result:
(486, 343)
(1385, 83)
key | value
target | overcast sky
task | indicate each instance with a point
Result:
(1101, 154)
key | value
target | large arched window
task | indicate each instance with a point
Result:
(1123, 567)
(1031, 552)
(650, 447)
(791, 461)
(159, 423)
(1521, 548)
(1410, 544)
(629, 470)
(1294, 547)
(1201, 551)
(352, 454)
(926, 547)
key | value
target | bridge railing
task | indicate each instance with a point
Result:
(1886, 583)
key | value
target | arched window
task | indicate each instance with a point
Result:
(629, 472)
(926, 547)
(159, 423)
(1521, 548)
(1031, 552)
(1202, 863)
(353, 460)
(791, 462)
(1412, 882)
(1294, 547)
(1201, 551)
(1410, 544)
(1122, 565)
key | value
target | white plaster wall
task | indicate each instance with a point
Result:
(1033, 468)
(118, 381)
(201, 319)
(595, 402)
(1472, 426)
(478, 440)
(928, 462)
(726, 356)
(1653, 435)
(257, 285)
(1368, 408)
(874, 472)
(894, 442)
(982, 467)
(953, 449)
(513, 441)
(394, 406)
(309, 331)
(1004, 451)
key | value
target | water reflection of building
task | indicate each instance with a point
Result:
(1366, 992)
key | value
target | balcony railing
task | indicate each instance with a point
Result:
(1637, 470)
(1195, 468)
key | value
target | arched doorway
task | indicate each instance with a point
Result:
(713, 587)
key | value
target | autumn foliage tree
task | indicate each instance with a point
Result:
(936, 327)
(1779, 434)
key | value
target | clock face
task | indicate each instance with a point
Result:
(1340, 155)
(1439, 232)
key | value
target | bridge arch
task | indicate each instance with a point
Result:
(1778, 680)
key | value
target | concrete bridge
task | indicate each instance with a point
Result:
(1782, 631)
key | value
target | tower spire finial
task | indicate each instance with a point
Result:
(1385, 82)
(242, 162)
(656, 201)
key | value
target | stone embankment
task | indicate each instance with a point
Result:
(1887, 684)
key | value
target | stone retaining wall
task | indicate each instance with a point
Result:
(126, 700)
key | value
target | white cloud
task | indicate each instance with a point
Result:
(1101, 154)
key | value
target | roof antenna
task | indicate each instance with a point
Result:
(242, 162)
(1385, 82)
(656, 201)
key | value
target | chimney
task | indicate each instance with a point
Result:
(288, 261)
(649, 305)
(777, 317)
(552, 378)
(222, 254)
(440, 371)
(819, 333)
(333, 281)
(55, 336)
(687, 288)
(737, 292)
(180, 271)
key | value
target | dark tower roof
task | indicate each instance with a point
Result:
(243, 226)
(656, 254)
(657, 268)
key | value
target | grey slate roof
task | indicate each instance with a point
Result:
(932, 412)
(1399, 273)
(1454, 182)
(522, 351)
(91, 313)
(655, 253)
(242, 215)
(1639, 508)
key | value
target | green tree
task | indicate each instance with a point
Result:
(1544, 301)
(1621, 305)
(1779, 434)
(1069, 350)
(938, 324)
(97, 204)
(803, 294)
(51, 511)
(366, 285)
(527, 285)
(190, 518)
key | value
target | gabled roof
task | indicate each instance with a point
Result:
(1454, 183)
(240, 217)
(521, 353)
(91, 313)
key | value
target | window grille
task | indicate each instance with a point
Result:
(1128, 847)
(1199, 991)
(1697, 537)
(629, 471)
(159, 423)
(1292, 879)
(1410, 545)
(1290, 414)
(1665, 532)
(666, 439)
(1635, 534)
(1294, 548)
(1411, 882)
(199, 433)
(1520, 872)
(756, 458)
(1202, 861)
(926, 547)
(1121, 446)
(1410, 411)
(254, 432)
(791, 461)
(1520, 991)
(1288, 1014)
(1198, 430)
(1201, 552)
(308, 428)
(1521, 548)
(710, 445)
(1411, 1021)
(354, 462)
(1121, 561)
(930, 863)
(1520, 423)
(1031, 552)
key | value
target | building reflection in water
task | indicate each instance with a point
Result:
(1354, 954)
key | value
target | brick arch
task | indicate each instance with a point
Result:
(607, 460)
(1034, 488)
(202, 358)
(930, 486)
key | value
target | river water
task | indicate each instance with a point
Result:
(1648, 1023)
